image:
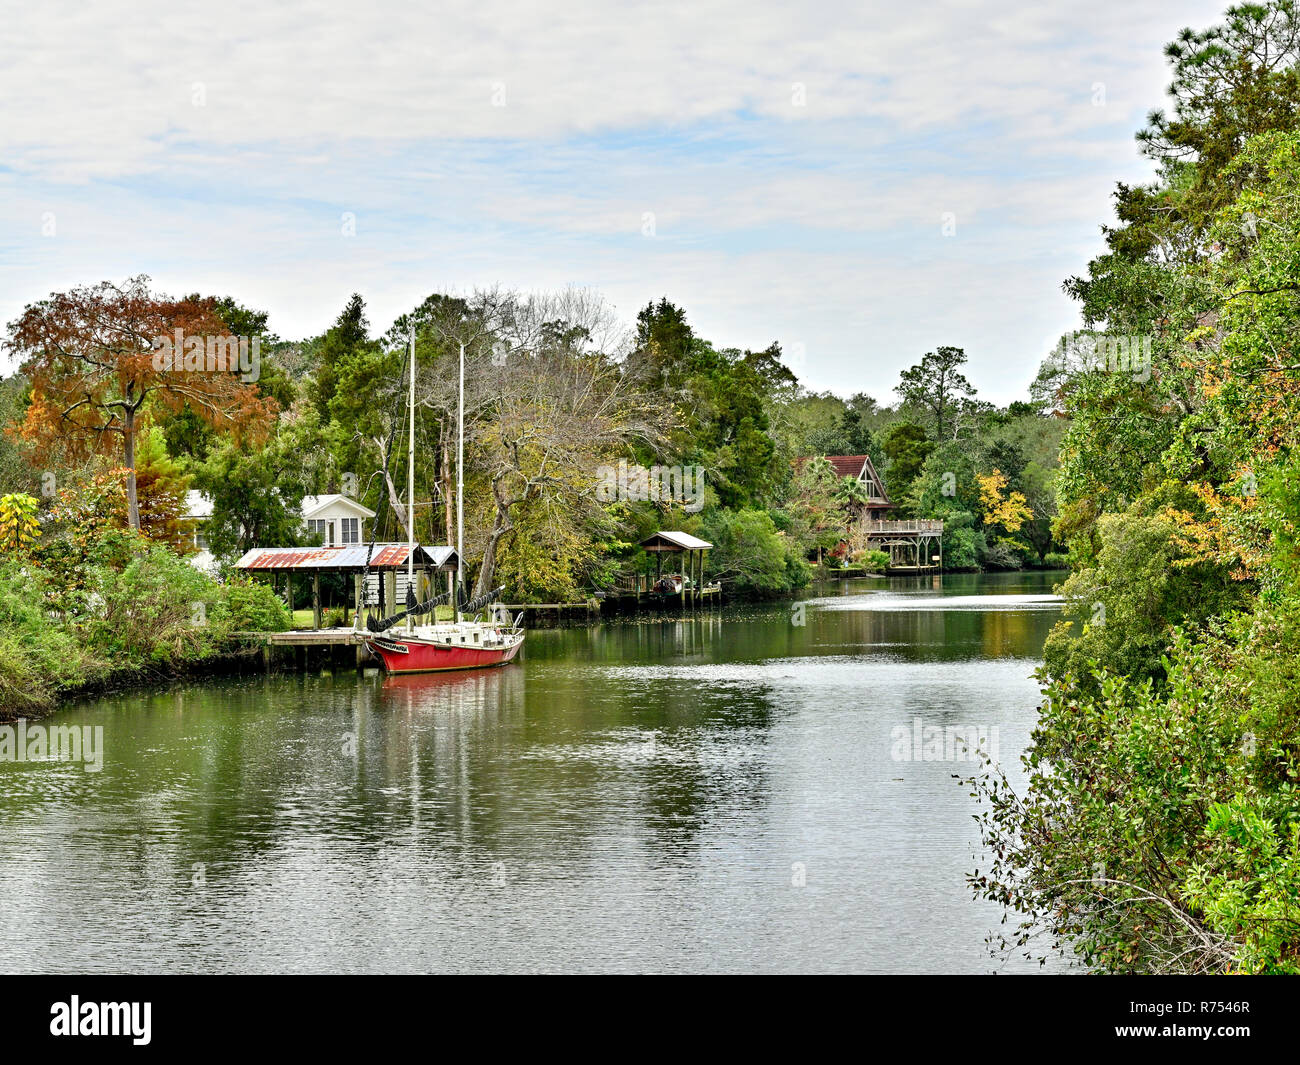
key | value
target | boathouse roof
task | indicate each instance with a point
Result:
(675, 541)
(350, 557)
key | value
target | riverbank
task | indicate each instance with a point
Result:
(126, 614)
(127, 680)
(214, 651)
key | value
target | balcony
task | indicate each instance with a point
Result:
(917, 525)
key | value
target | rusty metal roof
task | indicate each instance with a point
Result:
(345, 557)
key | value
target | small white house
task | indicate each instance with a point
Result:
(338, 519)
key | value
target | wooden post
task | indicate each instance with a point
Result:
(315, 600)
(390, 588)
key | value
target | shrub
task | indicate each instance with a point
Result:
(37, 656)
(1002, 555)
(1161, 831)
(751, 554)
(963, 544)
(872, 561)
(158, 609)
(1141, 578)
(251, 606)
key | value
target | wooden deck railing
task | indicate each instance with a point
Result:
(917, 525)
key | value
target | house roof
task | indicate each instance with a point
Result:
(675, 541)
(199, 505)
(848, 465)
(345, 557)
(311, 505)
(860, 468)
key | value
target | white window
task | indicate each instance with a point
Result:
(325, 528)
(351, 530)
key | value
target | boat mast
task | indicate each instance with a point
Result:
(410, 491)
(460, 479)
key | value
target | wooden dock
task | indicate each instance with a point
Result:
(306, 637)
(634, 590)
(326, 644)
(584, 607)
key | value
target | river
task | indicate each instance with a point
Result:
(731, 791)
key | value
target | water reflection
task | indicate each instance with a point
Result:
(661, 793)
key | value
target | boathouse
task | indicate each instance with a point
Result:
(386, 561)
(690, 551)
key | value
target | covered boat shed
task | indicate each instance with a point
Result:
(386, 560)
(691, 562)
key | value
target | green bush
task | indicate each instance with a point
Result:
(1002, 555)
(1162, 828)
(1123, 602)
(751, 555)
(963, 544)
(251, 606)
(872, 561)
(37, 655)
(158, 609)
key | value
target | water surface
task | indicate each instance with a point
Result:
(719, 792)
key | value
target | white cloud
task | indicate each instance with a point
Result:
(216, 148)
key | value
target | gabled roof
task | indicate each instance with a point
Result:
(311, 505)
(345, 557)
(860, 468)
(848, 465)
(675, 541)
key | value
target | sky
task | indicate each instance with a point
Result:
(860, 182)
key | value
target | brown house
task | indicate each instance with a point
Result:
(878, 504)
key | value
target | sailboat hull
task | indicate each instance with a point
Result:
(405, 654)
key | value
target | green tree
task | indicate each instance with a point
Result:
(937, 386)
(906, 446)
(349, 334)
(257, 493)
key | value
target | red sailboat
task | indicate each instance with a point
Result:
(450, 645)
(438, 648)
